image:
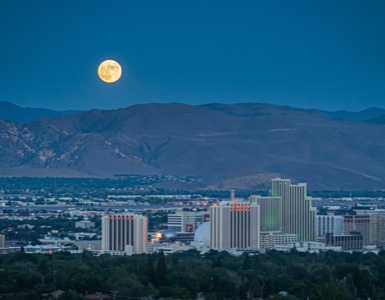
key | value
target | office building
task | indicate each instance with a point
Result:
(126, 232)
(234, 225)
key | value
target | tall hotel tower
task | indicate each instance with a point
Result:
(124, 232)
(281, 188)
(234, 226)
(298, 215)
(270, 212)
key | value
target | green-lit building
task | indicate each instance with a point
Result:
(270, 212)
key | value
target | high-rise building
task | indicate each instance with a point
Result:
(185, 221)
(377, 225)
(270, 212)
(281, 188)
(126, 232)
(298, 215)
(358, 223)
(377, 229)
(329, 223)
(234, 225)
(301, 215)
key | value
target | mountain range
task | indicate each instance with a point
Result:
(12, 112)
(239, 145)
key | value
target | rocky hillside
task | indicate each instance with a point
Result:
(242, 145)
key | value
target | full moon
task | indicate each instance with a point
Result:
(109, 71)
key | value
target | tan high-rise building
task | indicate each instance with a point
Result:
(377, 225)
(377, 229)
(124, 232)
(234, 225)
(298, 215)
(302, 216)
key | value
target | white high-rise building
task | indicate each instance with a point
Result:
(234, 225)
(124, 232)
(329, 223)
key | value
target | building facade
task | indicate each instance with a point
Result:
(234, 225)
(124, 232)
(377, 225)
(85, 224)
(270, 212)
(281, 188)
(377, 229)
(270, 239)
(348, 242)
(298, 215)
(329, 223)
(185, 221)
(360, 223)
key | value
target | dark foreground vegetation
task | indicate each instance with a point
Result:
(328, 275)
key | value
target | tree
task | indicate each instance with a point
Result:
(150, 272)
(161, 271)
(43, 268)
(246, 261)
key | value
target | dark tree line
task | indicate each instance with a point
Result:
(219, 275)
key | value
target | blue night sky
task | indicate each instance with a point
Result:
(312, 54)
